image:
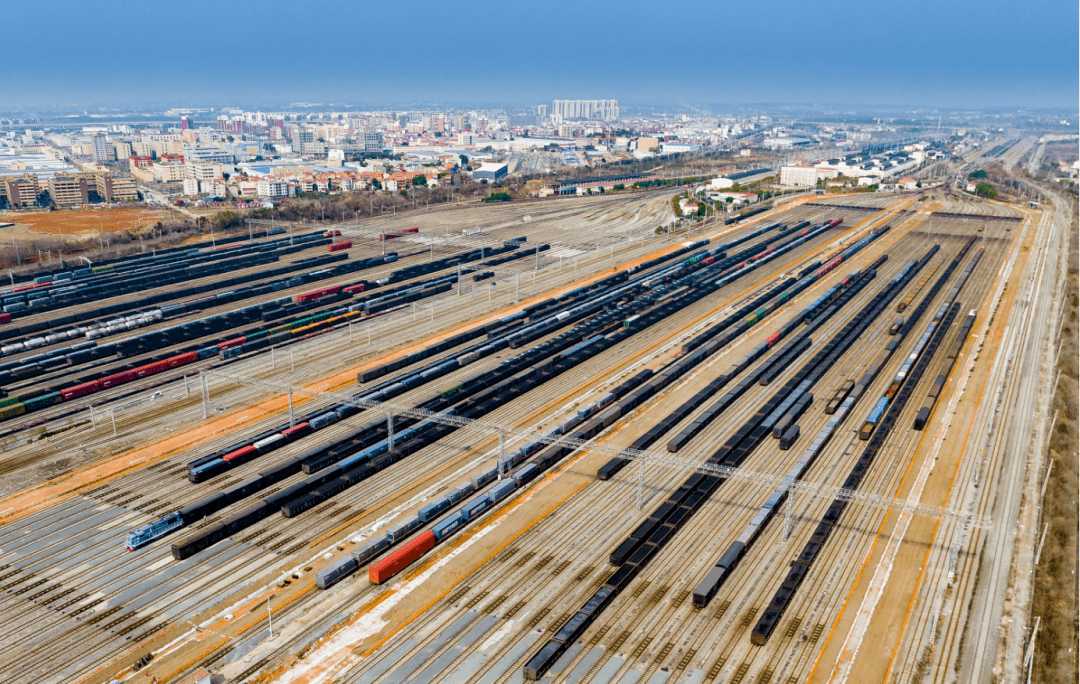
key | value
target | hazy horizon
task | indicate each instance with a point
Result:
(921, 55)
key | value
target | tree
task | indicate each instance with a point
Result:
(225, 176)
(420, 180)
(464, 160)
(93, 197)
(986, 190)
(618, 186)
(978, 174)
(3, 203)
(44, 199)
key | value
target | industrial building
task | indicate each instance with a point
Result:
(490, 172)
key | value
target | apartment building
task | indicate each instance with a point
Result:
(71, 190)
(273, 188)
(801, 176)
(208, 153)
(116, 188)
(101, 152)
(585, 109)
(169, 173)
(203, 170)
(20, 191)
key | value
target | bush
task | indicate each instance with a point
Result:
(498, 197)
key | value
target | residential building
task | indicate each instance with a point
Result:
(208, 153)
(122, 149)
(799, 176)
(585, 109)
(202, 170)
(214, 188)
(169, 173)
(648, 144)
(116, 188)
(137, 162)
(466, 138)
(299, 135)
(191, 186)
(313, 148)
(372, 142)
(273, 187)
(142, 149)
(70, 190)
(20, 191)
(541, 111)
(101, 152)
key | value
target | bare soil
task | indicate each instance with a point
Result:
(85, 222)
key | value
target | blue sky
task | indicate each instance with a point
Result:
(922, 53)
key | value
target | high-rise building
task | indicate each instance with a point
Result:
(373, 142)
(541, 110)
(183, 123)
(101, 153)
(585, 109)
(298, 135)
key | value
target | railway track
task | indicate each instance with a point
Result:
(634, 618)
(503, 602)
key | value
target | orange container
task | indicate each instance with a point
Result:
(402, 558)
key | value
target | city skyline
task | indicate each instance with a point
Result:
(921, 54)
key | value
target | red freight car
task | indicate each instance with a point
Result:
(152, 368)
(309, 296)
(353, 289)
(235, 342)
(80, 390)
(182, 359)
(117, 379)
(296, 431)
(338, 246)
(402, 558)
(239, 454)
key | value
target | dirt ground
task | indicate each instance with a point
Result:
(79, 223)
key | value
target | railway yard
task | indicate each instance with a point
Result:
(538, 442)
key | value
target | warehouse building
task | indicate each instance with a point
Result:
(490, 172)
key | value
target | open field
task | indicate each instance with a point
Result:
(79, 223)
